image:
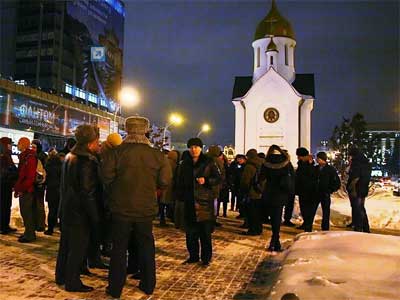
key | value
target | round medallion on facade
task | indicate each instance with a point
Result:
(271, 115)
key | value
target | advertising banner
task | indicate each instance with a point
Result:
(97, 28)
(23, 113)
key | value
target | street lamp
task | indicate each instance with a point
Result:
(128, 96)
(174, 119)
(204, 128)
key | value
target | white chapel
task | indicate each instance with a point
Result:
(274, 105)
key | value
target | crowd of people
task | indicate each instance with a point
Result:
(104, 198)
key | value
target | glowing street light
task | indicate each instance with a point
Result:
(204, 128)
(174, 119)
(129, 97)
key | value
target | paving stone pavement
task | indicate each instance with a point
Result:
(240, 269)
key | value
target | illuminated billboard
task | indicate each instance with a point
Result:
(23, 113)
(96, 29)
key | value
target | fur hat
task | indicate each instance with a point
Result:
(322, 155)
(195, 142)
(137, 125)
(252, 153)
(114, 139)
(86, 133)
(302, 152)
(24, 142)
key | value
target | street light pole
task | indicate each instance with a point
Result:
(164, 133)
(174, 119)
(204, 128)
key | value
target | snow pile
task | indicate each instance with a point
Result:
(340, 265)
(383, 210)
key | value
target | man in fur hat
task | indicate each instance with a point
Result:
(197, 182)
(132, 175)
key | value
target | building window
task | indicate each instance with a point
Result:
(286, 55)
(258, 57)
(271, 60)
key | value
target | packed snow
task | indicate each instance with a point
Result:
(341, 265)
(383, 210)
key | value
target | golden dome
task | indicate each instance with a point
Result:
(274, 24)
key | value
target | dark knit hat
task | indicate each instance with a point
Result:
(252, 153)
(137, 125)
(195, 142)
(322, 155)
(302, 152)
(86, 133)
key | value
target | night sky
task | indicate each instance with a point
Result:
(183, 56)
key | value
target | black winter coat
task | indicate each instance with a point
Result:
(198, 199)
(236, 171)
(279, 175)
(327, 179)
(53, 172)
(306, 179)
(359, 176)
(53, 178)
(80, 188)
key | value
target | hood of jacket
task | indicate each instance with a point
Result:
(276, 161)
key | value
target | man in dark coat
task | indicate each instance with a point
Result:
(236, 171)
(132, 174)
(79, 211)
(357, 187)
(198, 177)
(328, 182)
(53, 177)
(305, 186)
(252, 188)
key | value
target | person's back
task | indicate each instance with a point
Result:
(132, 174)
(76, 209)
(357, 187)
(305, 177)
(140, 171)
